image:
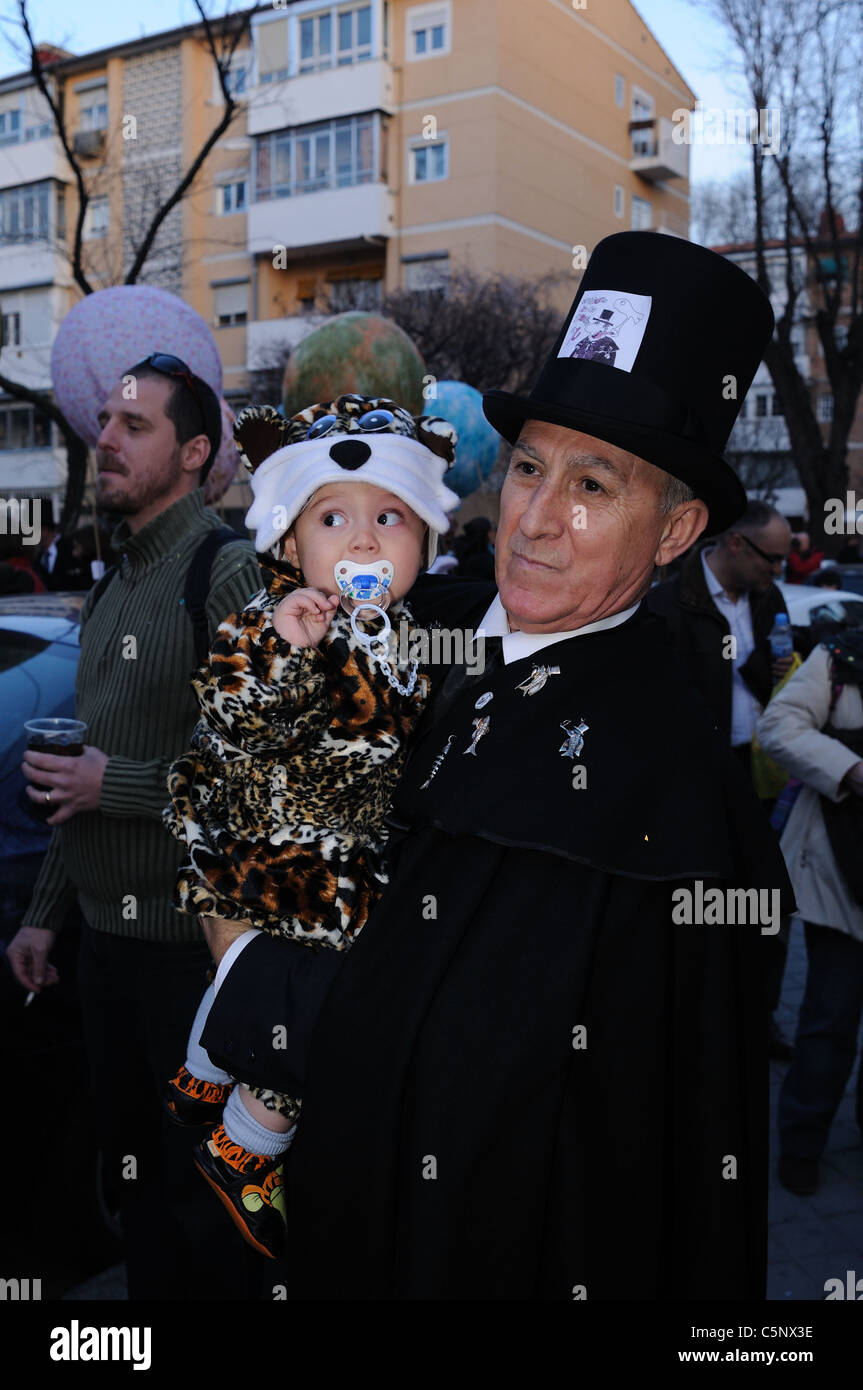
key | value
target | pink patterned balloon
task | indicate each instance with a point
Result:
(109, 331)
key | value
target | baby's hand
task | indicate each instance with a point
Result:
(304, 616)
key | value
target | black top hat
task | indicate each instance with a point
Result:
(689, 331)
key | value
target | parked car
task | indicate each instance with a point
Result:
(72, 1235)
(851, 577)
(819, 613)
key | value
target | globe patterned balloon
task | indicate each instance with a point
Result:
(477, 448)
(109, 331)
(358, 352)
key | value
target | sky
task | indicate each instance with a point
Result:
(690, 38)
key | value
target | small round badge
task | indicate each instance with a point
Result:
(483, 700)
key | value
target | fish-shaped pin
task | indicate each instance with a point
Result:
(480, 727)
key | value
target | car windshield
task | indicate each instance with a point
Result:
(16, 647)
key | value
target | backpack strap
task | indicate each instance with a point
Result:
(101, 585)
(197, 589)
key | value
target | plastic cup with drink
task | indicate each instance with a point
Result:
(63, 738)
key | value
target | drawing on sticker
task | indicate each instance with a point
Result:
(607, 327)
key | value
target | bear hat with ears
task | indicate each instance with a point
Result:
(369, 439)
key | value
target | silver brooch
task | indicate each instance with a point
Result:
(480, 727)
(537, 679)
(438, 760)
(574, 741)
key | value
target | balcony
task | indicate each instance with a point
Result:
(339, 219)
(655, 156)
(318, 96)
(32, 159)
(25, 263)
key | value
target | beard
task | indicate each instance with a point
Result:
(125, 494)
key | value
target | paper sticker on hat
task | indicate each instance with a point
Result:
(607, 327)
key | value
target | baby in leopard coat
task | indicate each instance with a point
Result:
(306, 709)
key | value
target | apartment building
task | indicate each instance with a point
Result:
(759, 443)
(380, 144)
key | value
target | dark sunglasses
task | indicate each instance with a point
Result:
(169, 365)
(771, 559)
(371, 421)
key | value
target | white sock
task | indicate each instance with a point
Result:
(197, 1060)
(244, 1129)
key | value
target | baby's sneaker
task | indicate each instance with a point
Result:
(250, 1188)
(190, 1101)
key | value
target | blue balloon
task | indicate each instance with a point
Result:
(477, 448)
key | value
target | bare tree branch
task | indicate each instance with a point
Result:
(60, 124)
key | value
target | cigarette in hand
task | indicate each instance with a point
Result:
(30, 997)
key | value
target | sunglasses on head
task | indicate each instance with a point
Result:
(169, 365)
(371, 421)
(771, 559)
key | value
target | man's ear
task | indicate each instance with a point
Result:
(682, 528)
(194, 453)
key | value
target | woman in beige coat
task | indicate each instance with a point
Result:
(792, 731)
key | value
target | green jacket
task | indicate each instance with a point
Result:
(134, 694)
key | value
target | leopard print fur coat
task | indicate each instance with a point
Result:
(281, 797)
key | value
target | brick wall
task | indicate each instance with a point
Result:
(152, 162)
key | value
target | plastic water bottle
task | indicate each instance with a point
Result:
(781, 639)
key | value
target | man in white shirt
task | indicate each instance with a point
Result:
(721, 608)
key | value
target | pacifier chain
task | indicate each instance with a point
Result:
(369, 641)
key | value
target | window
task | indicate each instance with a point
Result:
(355, 35)
(642, 215)
(231, 303)
(427, 272)
(428, 31)
(332, 154)
(362, 293)
(271, 50)
(231, 197)
(96, 219)
(10, 127)
(235, 79)
(761, 401)
(619, 90)
(24, 213)
(840, 332)
(643, 139)
(642, 105)
(429, 161)
(94, 116)
(825, 409)
(619, 201)
(335, 37)
(11, 330)
(776, 405)
(22, 428)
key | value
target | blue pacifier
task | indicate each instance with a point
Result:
(361, 585)
(366, 587)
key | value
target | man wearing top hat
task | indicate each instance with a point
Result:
(541, 1072)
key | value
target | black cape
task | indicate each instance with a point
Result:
(526, 1081)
